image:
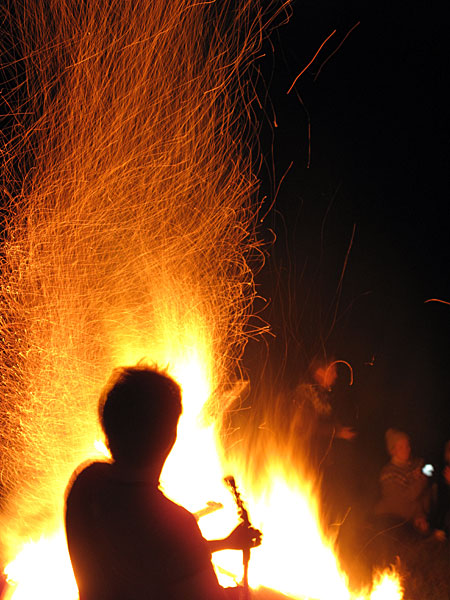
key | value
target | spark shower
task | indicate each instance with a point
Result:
(129, 224)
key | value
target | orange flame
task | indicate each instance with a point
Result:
(387, 585)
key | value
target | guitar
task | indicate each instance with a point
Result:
(242, 511)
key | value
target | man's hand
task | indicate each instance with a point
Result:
(421, 524)
(243, 537)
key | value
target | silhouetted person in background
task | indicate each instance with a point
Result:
(405, 490)
(318, 420)
(442, 516)
(126, 539)
(327, 438)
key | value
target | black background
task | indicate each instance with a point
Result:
(378, 153)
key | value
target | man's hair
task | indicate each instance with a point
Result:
(139, 410)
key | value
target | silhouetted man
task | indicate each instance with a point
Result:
(126, 540)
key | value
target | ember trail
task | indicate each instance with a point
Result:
(129, 233)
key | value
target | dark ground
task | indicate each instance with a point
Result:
(422, 562)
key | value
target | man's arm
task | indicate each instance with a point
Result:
(240, 538)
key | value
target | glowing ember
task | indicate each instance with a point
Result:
(131, 238)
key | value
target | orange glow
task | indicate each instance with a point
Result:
(29, 573)
(133, 236)
(326, 376)
(387, 585)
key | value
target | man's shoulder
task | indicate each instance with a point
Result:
(391, 470)
(91, 470)
(86, 474)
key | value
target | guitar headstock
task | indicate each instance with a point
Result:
(231, 482)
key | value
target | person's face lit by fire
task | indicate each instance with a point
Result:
(325, 376)
(401, 451)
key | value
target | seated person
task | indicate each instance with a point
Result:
(442, 517)
(405, 492)
(125, 538)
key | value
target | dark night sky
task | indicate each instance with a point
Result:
(379, 152)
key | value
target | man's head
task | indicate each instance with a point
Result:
(139, 411)
(398, 445)
(325, 375)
